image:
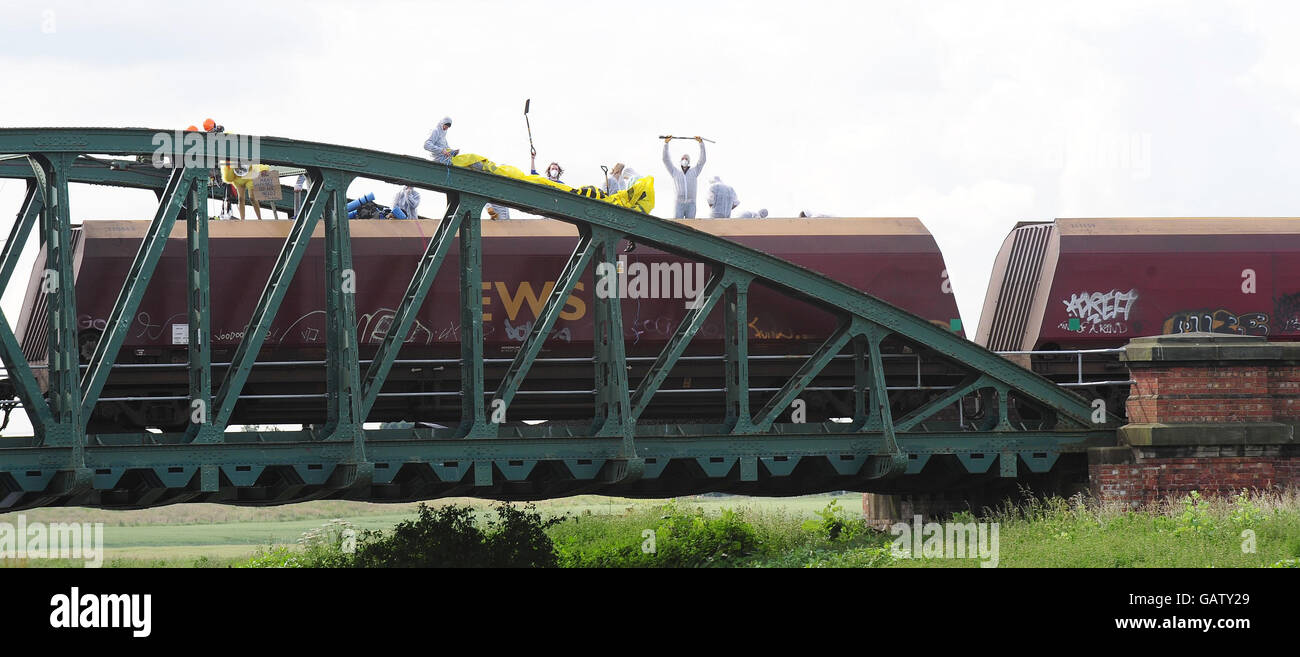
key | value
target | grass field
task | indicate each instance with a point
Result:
(788, 531)
(181, 534)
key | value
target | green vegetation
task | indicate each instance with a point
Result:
(1190, 532)
(809, 532)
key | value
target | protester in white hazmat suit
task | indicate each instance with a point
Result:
(408, 201)
(722, 199)
(436, 144)
(686, 179)
(614, 180)
(751, 214)
(629, 177)
(621, 177)
(497, 212)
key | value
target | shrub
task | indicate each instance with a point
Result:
(834, 524)
(690, 539)
(668, 536)
(448, 537)
(1195, 517)
(1245, 513)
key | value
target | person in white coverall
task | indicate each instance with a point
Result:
(686, 179)
(722, 199)
(628, 177)
(408, 201)
(614, 180)
(436, 144)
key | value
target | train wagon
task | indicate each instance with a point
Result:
(894, 259)
(1090, 284)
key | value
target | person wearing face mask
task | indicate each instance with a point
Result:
(436, 144)
(722, 199)
(686, 180)
(553, 172)
(628, 178)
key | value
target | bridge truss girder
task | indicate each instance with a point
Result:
(748, 450)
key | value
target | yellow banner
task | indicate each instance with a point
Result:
(640, 196)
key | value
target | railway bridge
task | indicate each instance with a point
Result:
(977, 408)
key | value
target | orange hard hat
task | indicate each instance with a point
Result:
(209, 124)
(192, 129)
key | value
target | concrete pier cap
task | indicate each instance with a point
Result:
(1206, 348)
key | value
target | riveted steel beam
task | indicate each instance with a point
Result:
(177, 193)
(613, 415)
(24, 382)
(33, 201)
(342, 357)
(573, 270)
(808, 371)
(714, 290)
(199, 306)
(20, 373)
(295, 245)
(973, 382)
(128, 174)
(861, 382)
(416, 292)
(1004, 417)
(880, 409)
(473, 414)
(61, 308)
(735, 329)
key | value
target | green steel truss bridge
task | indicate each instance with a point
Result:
(1027, 424)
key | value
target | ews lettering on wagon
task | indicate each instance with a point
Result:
(513, 296)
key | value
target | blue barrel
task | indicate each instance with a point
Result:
(397, 212)
(358, 203)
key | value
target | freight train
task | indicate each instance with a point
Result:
(896, 260)
(1062, 286)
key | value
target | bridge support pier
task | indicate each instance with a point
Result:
(1208, 412)
(882, 511)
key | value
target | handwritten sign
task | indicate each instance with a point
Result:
(267, 186)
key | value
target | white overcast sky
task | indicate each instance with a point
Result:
(969, 115)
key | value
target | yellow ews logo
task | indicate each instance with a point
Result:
(524, 292)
